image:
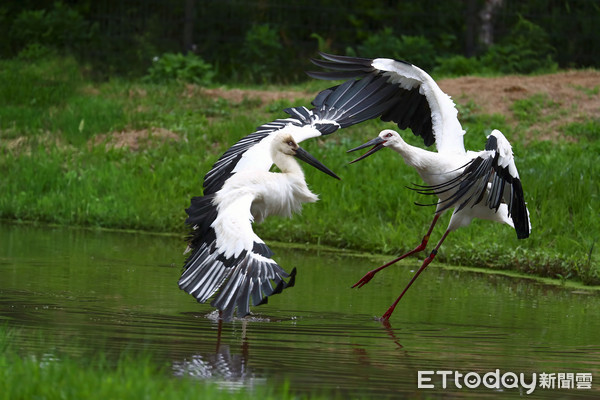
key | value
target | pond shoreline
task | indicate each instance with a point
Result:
(374, 258)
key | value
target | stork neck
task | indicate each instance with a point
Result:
(413, 156)
(287, 164)
(404, 149)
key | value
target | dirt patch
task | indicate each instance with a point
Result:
(135, 139)
(573, 91)
(574, 95)
(24, 144)
(239, 95)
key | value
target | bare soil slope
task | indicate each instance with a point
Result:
(569, 96)
(572, 96)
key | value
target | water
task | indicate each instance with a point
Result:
(83, 291)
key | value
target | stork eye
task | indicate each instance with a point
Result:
(388, 135)
(290, 143)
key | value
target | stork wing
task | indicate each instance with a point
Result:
(334, 108)
(414, 100)
(229, 258)
(225, 165)
(491, 177)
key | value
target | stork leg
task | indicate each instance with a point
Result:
(369, 275)
(219, 329)
(426, 262)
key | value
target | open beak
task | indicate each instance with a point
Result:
(377, 144)
(305, 156)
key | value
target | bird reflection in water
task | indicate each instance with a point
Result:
(229, 365)
(227, 370)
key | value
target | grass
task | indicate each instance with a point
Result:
(48, 97)
(50, 376)
(589, 130)
(52, 174)
(535, 108)
(590, 92)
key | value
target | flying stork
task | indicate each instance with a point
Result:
(227, 259)
(476, 184)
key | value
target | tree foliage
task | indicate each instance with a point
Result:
(263, 40)
(525, 49)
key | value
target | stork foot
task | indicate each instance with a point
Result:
(365, 279)
(386, 324)
(385, 318)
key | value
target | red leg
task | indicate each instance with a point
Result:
(219, 328)
(426, 262)
(369, 275)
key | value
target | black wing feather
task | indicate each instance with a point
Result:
(236, 280)
(408, 108)
(221, 170)
(246, 278)
(337, 107)
(484, 179)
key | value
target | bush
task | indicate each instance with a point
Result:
(457, 66)
(60, 28)
(262, 54)
(414, 49)
(176, 66)
(525, 50)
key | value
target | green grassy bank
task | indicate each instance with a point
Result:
(60, 162)
(51, 376)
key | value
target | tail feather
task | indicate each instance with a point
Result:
(235, 282)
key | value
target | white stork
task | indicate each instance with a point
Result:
(227, 257)
(477, 184)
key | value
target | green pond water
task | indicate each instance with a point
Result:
(84, 291)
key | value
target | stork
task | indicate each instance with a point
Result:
(227, 259)
(476, 184)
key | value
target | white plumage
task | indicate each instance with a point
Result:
(483, 184)
(226, 253)
(227, 259)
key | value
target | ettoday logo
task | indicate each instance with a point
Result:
(507, 380)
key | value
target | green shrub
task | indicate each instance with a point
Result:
(36, 52)
(457, 66)
(176, 66)
(419, 51)
(381, 44)
(526, 49)
(414, 49)
(262, 54)
(62, 28)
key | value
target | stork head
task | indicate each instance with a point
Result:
(386, 137)
(286, 144)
